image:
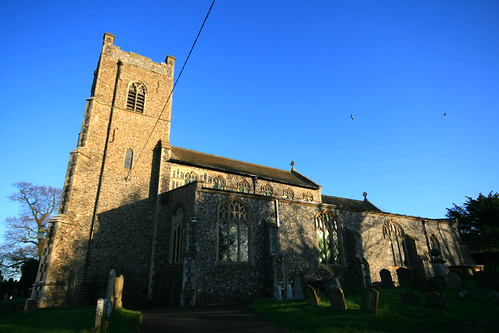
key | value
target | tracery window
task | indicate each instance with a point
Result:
(234, 231)
(136, 97)
(307, 196)
(128, 159)
(243, 186)
(176, 235)
(219, 182)
(190, 177)
(288, 193)
(327, 228)
(267, 190)
(395, 235)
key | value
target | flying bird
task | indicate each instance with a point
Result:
(351, 116)
(445, 113)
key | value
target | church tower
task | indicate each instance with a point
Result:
(112, 181)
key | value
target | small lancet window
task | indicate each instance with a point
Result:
(243, 186)
(136, 97)
(267, 190)
(128, 159)
(288, 193)
(219, 183)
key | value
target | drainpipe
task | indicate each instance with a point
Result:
(99, 186)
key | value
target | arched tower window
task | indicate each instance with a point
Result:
(288, 193)
(136, 97)
(128, 159)
(327, 228)
(219, 182)
(243, 186)
(395, 235)
(234, 231)
(176, 238)
(190, 177)
(267, 190)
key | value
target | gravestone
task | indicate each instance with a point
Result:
(410, 297)
(366, 275)
(298, 284)
(99, 314)
(337, 298)
(435, 300)
(277, 291)
(110, 292)
(404, 277)
(369, 302)
(289, 291)
(454, 281)
(386, 278)
(118, 292)
(311, 296)
(464, 294)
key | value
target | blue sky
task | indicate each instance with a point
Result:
(275, 81)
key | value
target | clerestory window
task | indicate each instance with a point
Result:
(234, 231)
(267, 190)
(288, 193)
(327, 228)
(190, 177)
(136, 97)
(307, 196)
(243, 186)
(219, 182)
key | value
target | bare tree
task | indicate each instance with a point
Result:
(24, 235)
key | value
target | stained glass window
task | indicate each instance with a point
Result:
(327, 227)
(234, 230)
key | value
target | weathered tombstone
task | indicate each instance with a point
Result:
(435, 300)
(386, 278)
(369, 303)
(110, 292)
(464, 294)
(404, 276)
(337, 298)
(118, 292)
(454, 281)
(289, 291)
(298, 284)
(366, 274)
(410, 297)
(99, 314)
(277, 291)
(311, 296)
(439, 269)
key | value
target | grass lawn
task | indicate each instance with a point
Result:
(474, 315)
(62, 320)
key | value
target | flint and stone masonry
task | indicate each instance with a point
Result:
(189, 228)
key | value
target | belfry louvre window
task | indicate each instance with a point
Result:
(234, 231)
(128, 159)
(136, 97)
(395, 235)
(327, 227)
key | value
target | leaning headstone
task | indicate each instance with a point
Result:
(454, 281)
(386, 278)
(435, 300)
(404, 277)
(99, 314)
(410, 297)
(298, 284)
(337, 298)
(118, 292)
(369, 302)
(311, 296)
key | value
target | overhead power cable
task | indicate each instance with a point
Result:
(174, 85)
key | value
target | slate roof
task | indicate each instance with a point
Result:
(213, 162)
(350, 204)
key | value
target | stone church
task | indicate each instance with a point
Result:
(189, 228)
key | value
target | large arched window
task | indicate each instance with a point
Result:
(136, 97)
(234, 231)
(395, 235)
(176, 237)
(327, 227)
